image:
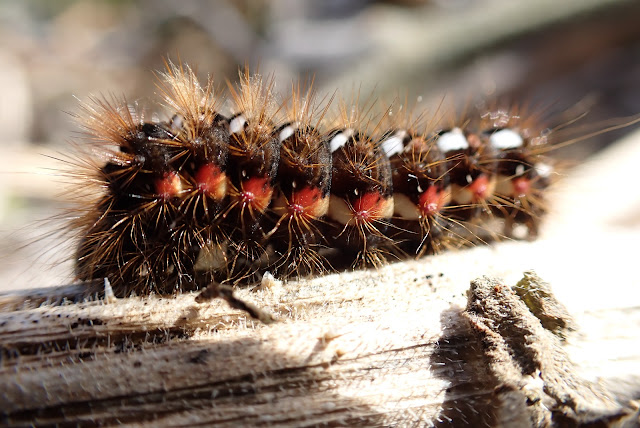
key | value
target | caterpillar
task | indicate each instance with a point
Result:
(229, 186)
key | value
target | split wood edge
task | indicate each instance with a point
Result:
(360, 356)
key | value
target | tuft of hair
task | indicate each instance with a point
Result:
(361, 205)
(303, 185)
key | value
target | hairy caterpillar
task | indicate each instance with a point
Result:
(216, 194)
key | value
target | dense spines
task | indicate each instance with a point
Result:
(254, 155)
(422, 190)
(210, 195)
(421, 184)
(254, 149)
(523, 173)
(361, 201)
(303, 187)
(126, 237)
(203, 135)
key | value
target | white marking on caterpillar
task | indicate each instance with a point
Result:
(453, 140)
(210, 257)
(506, 139)
(237, 124)
(543, 169)
(393, 144)
(286, 132)
(340, 139)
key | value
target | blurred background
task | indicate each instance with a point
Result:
(570, 55)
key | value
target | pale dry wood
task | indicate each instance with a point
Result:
(392, 347)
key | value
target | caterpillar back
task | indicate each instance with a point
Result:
(221, 194)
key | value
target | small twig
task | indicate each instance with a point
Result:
(225, 292)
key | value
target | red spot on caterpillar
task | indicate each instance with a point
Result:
(521, 186)
(256, 192)
(211, 180)
(305, 201)
(168, 186)
(368, 207)
(480, 188)
(432, 201)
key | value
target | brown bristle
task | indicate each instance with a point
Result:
(302, 187)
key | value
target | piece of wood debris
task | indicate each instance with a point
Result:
(343, 353)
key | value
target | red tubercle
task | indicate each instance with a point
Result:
(432, 201)
(304, 200)
(257, 192)
(211, 180)
(480, 188)
(296, 209)
(521, 186)
(368, 207)
(169, 186)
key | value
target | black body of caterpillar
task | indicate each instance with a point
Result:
(207, 197)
